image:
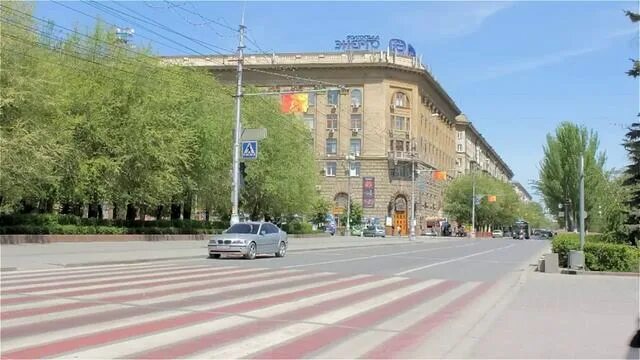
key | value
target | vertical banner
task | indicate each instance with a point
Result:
(368, 192)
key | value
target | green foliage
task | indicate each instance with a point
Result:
(502, 212)
(355, 215)
(298, 227)
(86, 120)
(560, 169)
(599, 255)
(321, 207)
(631, 183)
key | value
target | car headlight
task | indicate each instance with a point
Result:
(238, 242)
(212, 242)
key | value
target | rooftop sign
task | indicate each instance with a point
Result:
(358, 42)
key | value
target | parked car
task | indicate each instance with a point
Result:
(373, 231)
(497, 233)
(429, 232)
(249, 239)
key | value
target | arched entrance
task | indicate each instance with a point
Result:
(340, 202)
(399, 211)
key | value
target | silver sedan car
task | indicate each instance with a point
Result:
(249, 239)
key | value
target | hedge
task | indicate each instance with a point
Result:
(599, 255)
(299, 227)
(74, 225)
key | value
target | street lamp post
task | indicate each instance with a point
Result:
(412, 234)
(473, 204)
(349, 158)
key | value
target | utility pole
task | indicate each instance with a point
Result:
(235, 217)
(473, 203)
(349, 158)
(582, 202)
(412, 233)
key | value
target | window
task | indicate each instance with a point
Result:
(332, 121)
(356, 97)
(459, 147)
(269, 229)
(400, 122)
(355, 168)
(330, 169)
(399, 145)
(312, 99)
(400, 100)
(332, 146)
(309, 119)
(356, 121)
(355, 147)
(460, 135)
(333, 97)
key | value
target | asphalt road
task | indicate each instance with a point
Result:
(377, 301)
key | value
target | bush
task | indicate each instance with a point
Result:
(599, 255)
(298, 227)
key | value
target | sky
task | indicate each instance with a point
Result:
(516, 69)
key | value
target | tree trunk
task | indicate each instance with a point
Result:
(175, 211)
(131, 213)
(77, 209)
(206, 214)
(159, 212)
(93, 211)
(27, 207)
(115, 211)
(66, 208)
(186, 209)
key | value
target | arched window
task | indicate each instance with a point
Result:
(356, 97)
(400, 99)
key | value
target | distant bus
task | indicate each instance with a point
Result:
(523, 226)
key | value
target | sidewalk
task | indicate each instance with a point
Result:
(43, 256)
(565, 316)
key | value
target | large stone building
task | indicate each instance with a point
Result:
(391, 111)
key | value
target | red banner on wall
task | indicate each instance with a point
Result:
(368, 192)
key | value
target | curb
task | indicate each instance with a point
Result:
(597, 273)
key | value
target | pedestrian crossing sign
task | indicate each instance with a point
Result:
(250, 149)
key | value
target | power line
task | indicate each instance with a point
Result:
(150, 21)
(208, 20)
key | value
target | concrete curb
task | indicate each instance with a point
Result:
(601, 273)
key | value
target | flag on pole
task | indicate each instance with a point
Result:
(294, 103)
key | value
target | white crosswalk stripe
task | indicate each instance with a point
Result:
(176, 310)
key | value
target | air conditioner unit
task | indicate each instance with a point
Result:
(333, 109)
(406, 136)
(355, 130)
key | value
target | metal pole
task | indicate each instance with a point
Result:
(581, 202)
(349, 195)
(473, 204)
(412, 233)
(235, 217)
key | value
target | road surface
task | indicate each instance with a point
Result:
(409, 300)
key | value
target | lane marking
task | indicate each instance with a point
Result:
(451, 260)
(376, 256)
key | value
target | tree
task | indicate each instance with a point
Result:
(500, 213)
(533, 213)
(632, 182)
(560, 169)
(355, 215)
(635, 70)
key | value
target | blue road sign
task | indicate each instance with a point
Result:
(250, 149)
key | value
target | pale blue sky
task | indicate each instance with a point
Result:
(515, 68)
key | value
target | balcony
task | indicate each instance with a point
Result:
(399, 155)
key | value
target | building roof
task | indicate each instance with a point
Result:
(462, 120)
(318, 60)
(522, 189)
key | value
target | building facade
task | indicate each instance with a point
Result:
(523, 194)
(387, 114)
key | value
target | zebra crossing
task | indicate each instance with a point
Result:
(180, 310)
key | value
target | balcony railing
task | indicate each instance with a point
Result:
(400, 155)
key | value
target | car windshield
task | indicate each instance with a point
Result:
(244, 229)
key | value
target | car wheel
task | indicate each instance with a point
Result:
(214, 256)
(251, 254)
(282, 250)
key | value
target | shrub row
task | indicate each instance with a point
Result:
(298, 227)
(599, 256)
(102, 230)
(70, 224)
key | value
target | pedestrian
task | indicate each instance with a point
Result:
(399, 231)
